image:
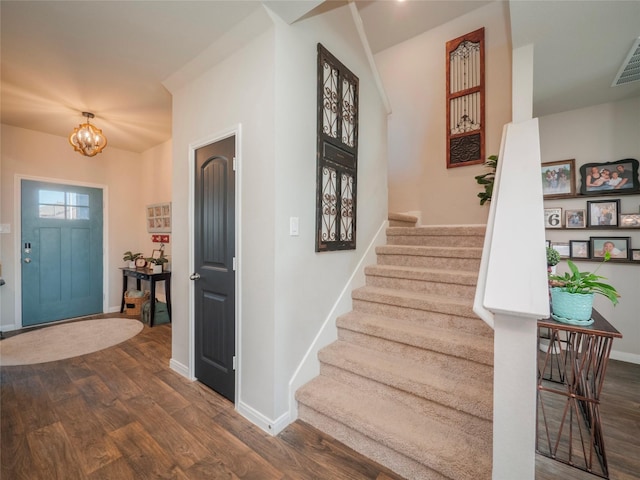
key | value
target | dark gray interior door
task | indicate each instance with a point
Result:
(214, 275)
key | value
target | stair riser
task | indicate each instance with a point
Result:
(462, 364)
(474, 404)
(399, 223)
(391, 459)
(445, 263)
(434, 241)
(478, 427)
(441, 320)
(427, 304)
(437, 288)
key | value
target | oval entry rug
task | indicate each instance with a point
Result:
(66, 341)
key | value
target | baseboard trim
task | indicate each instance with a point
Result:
(180, 369)
(272, 427)
(625, 357)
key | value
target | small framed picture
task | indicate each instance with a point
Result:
(558, 179)
(562, 248)
(575, 218)
(553, 218)
(629, 220)
(548, 243)
(635, 255)
(603, 213)
(579, 248)
(156, 254)
(618, 247)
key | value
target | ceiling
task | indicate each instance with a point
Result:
(59, 58)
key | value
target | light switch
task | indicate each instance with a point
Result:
(5, 228)
(293, 226)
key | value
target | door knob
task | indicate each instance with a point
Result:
(194, 276)
(27, 260)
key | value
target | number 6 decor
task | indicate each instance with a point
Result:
(553, 217)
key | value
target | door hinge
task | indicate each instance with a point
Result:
(235, 264)
(235, 363)
(234, 164)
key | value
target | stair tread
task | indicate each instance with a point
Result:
(411, 295)
(462, 277)
(402, 217)
(439, 230)
(424, 336)
(399, 428)
(428, 250)
(470, 394)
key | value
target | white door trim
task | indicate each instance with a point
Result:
(221, 135)
(17, 202)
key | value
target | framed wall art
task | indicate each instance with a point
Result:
(609, 178)
(603, 213)
(553, 217)
(618, 247)
(635, 255)
(159, 217)
(579, 248)
(465, 99)
(575, 218)
(562, 248)
(558, 179)
(629, 220)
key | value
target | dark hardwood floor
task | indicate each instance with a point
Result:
(121, 413)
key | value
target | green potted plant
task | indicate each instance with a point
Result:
(131, 257)
(572, 295)
(487, 179)
(157, 263)
(553, 258)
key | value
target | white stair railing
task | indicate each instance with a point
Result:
(512, 294)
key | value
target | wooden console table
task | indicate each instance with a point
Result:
(148, 275)
(570, 378)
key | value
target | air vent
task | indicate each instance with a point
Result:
(630, 69)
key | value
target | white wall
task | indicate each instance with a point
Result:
(413, 74)
(39, 155)
(287, 290)
(239, 90)
(602, 133)
(307, 283)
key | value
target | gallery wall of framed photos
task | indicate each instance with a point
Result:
(593, 209)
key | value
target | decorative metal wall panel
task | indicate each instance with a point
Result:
(329, 205)
(465, 99)
(337, 154)
(346, 207)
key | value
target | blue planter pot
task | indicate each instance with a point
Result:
(573, 308)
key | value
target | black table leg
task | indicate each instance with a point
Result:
(153, 301)
(124, 290)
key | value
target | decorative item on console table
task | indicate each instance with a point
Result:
(156, 263)
(131, 258)
(572, 297)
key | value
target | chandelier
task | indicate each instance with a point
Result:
(87, 139)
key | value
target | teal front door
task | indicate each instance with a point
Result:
(61, 251)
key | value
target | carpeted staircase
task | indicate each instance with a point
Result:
(409, 382)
